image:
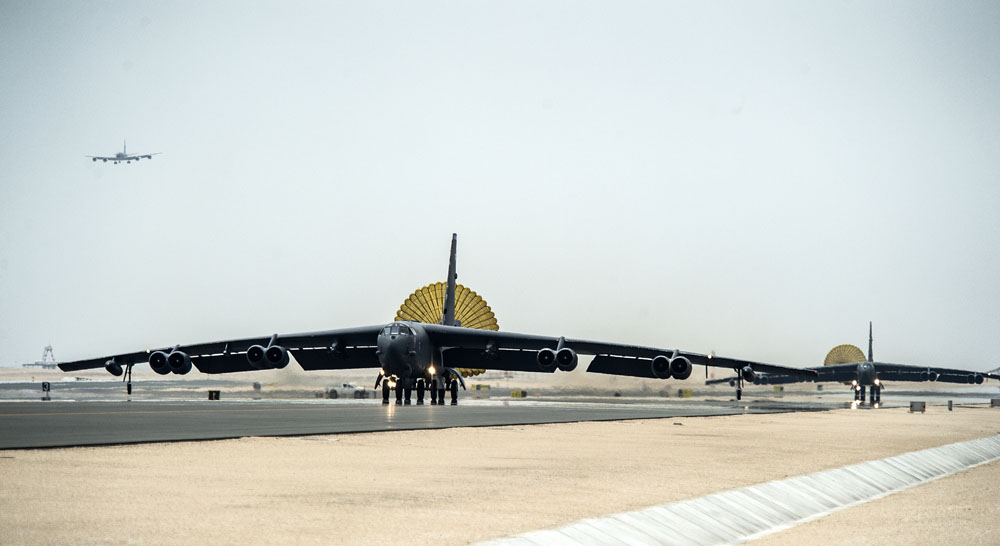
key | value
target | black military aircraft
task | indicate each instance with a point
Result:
(418, 356)
(871, 376)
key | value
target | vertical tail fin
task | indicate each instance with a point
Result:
(449, 296)
(124, 147)
(870, 357)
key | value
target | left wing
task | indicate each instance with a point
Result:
(487, 349)
(325, 350)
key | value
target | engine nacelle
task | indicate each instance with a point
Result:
(179, 362)
(660, 367)
(158, 362)
(276, 356)
(748, 374)
(566, 359)
(680, 367)
(256, 357)
(113, 368)
(546, 360)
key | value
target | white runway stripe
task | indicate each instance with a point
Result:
(739, 515)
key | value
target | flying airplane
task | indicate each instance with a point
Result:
(123, 156)
(416, 356)
(871, 376)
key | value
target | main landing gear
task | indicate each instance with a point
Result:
(875, 395)
(435, 387)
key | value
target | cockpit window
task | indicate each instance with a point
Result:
(385, 331)
(395, 329)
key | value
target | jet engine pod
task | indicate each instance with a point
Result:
(256, 357)
(546, 360)
(180, 362)
(748, 373)
(680, 367)
(277, 357)
(660, 367)
(158, 361)
(566, 359)
(113, 368)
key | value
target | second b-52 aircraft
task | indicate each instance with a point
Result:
(421, 357)
(871, 375)
(122, 156)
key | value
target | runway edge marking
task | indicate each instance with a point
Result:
(739, 515)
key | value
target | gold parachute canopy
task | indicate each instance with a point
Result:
(844, 354)
(427, 305)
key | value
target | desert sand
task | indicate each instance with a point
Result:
(455, 486)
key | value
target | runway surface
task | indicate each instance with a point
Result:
(83, 423)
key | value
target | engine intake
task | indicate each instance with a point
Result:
(276, 356)
(256, 357)
(180, 362)
(748, 374)
(566, 359)
(660, 367)
(546, 360)
(158, 362)
(680, 367)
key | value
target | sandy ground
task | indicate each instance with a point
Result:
(460, 485)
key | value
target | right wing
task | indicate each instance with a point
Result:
(341, 349)
(492, 350)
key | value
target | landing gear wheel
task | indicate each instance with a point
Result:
(420, 392)
(440, 397)
(861, 395)
(454, 393)
(739, 394)
(399, 395)
(385, 392)
(407, 393)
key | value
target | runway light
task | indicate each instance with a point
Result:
(876, 405)
(431, 370)
(876, 381)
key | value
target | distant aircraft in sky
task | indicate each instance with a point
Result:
(123, 156)
(870, 375)
(418, 356)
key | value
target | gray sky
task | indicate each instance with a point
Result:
(754, 178)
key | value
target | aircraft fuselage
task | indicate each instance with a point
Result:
(405, 351)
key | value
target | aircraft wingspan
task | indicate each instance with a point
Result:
(230, 355)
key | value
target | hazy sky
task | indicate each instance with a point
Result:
(756, 178)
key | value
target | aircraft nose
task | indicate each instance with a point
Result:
(397, 356)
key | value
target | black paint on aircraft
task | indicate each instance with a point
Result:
(422, 357)
(871, 376)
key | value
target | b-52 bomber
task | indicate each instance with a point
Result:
(417, 356)
(871, 376)
(122, 156)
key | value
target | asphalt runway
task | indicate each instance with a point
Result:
(83, 423)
